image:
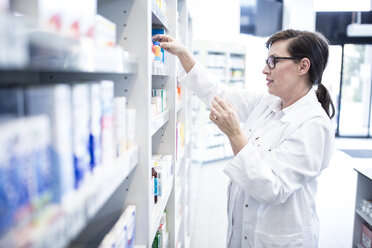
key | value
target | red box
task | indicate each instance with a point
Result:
(366, 237)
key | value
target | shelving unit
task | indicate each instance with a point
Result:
(105, 195)
(225, 61)
(88, 200)
(364, 186)
(159, 121)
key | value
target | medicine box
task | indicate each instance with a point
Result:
(80, 130)
(48, 14)
(366, 237)
(55, 102)
(4, 5)
(67, 17)
(26, 176)
(130, 127)
(107, 122)
(105, 31)
(120, 129)
(95, 125)
(12, 102)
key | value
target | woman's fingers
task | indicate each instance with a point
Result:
(213, 118)
(214, 111)
(229, 104)
(162, 38)
(217, 106)
(222, 103)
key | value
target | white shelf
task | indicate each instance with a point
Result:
(68, 219)
(178, 106)
(179, 162)
(158, 17)
(222, 67)
(159, 121)
(54, 59)
(159, 208)
(160, 69)
(178, 227)
(179, 193)
(166, 238)
(109, 180)
(364, 216)
(188, 241)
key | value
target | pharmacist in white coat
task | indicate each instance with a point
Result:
(283, 144)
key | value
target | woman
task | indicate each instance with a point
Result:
(285, 140)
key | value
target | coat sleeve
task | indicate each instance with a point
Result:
(271, 176)
(206, 86)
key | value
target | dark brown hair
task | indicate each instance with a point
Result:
(313, 46)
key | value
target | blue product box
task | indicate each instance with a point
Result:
(12, 102)
(159, 31)
(55, 102)
(95, 125)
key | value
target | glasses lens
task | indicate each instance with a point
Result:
(271, 62)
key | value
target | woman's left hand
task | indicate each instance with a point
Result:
(224, 115)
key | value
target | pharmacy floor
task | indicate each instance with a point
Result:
(335, 199)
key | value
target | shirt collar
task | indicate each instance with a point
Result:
(276, 104)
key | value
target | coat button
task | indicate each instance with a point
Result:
(245, 237)
(246, 205)
(250, 130)
(257, 138)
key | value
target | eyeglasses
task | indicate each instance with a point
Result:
(271, 61)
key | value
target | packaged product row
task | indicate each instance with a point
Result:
(179, 208)
(237, 61)
(159, 60)
(122, 234)
(162, 236)
(218, 72)
(27, 183)
(236, 73)
(88, 128)
(214, 153)
(162, 4)
(4, 6)
(178, 99)
(366, 239)
(216, 140)
(178, 34)
(161, 175)
(366, 207)
(180, 140)
(35, 45)
(158, 101)
(69, 18)
(216, 59)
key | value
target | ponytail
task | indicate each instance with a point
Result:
(325, 100)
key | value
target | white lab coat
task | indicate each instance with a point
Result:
(273, 179)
